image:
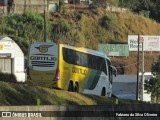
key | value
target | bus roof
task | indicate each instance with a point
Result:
(86, 50)
(80, 49)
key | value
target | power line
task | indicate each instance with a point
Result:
(129, 65)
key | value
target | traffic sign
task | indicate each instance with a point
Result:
(140, 39)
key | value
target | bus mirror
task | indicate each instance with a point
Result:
(115, 73)
(114, 70)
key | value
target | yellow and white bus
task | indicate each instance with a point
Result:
(70, 68)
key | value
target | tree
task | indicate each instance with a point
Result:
(153, 85)
(149, 8)
(10, 2)
(155, 12)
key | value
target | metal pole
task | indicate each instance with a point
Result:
(142, 73)
(45, 36)
(137, 69)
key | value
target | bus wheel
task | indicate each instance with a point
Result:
(76, 87)
(103, 93)
(70, 86)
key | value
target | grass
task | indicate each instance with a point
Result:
(22, 94)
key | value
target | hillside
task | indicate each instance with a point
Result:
(22, 94)
(101, 26)
(85, 27)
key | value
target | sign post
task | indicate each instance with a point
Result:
(142, 77)
(141, 87)
(137, 69)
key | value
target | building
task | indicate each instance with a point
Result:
(84, 2)
(11, 59)
(3, 6)
(39, 6)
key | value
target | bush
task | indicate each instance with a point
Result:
(8, 77)
(109, 22)
(62, 30)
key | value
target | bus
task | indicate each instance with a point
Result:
(75, 69)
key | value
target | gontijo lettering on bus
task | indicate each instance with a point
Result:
(79, 71)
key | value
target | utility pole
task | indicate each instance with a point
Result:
(137, 69)
(142, 83)
(45, 36)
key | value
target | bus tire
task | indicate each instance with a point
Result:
(76, 87)
(70, 86)
(103, 93)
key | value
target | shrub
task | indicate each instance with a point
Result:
(109, 22)
(6, 77)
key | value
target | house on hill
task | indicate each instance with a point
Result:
(85, 2)
(3, 6)
(20, 6)
(39, 6)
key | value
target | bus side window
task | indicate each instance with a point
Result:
(65, 54)
(104, 67)
(68, 56)
(84, 60)
(110, 74)
(94, 63)
(90, 61)
(109, 70)
(77, 59)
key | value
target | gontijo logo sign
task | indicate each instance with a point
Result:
(43, 48)
(42, 59)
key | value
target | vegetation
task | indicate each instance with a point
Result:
(25, 28)
(85, 27)
(148, 8)
(153, 85)
(21, 94)
(8, 77)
